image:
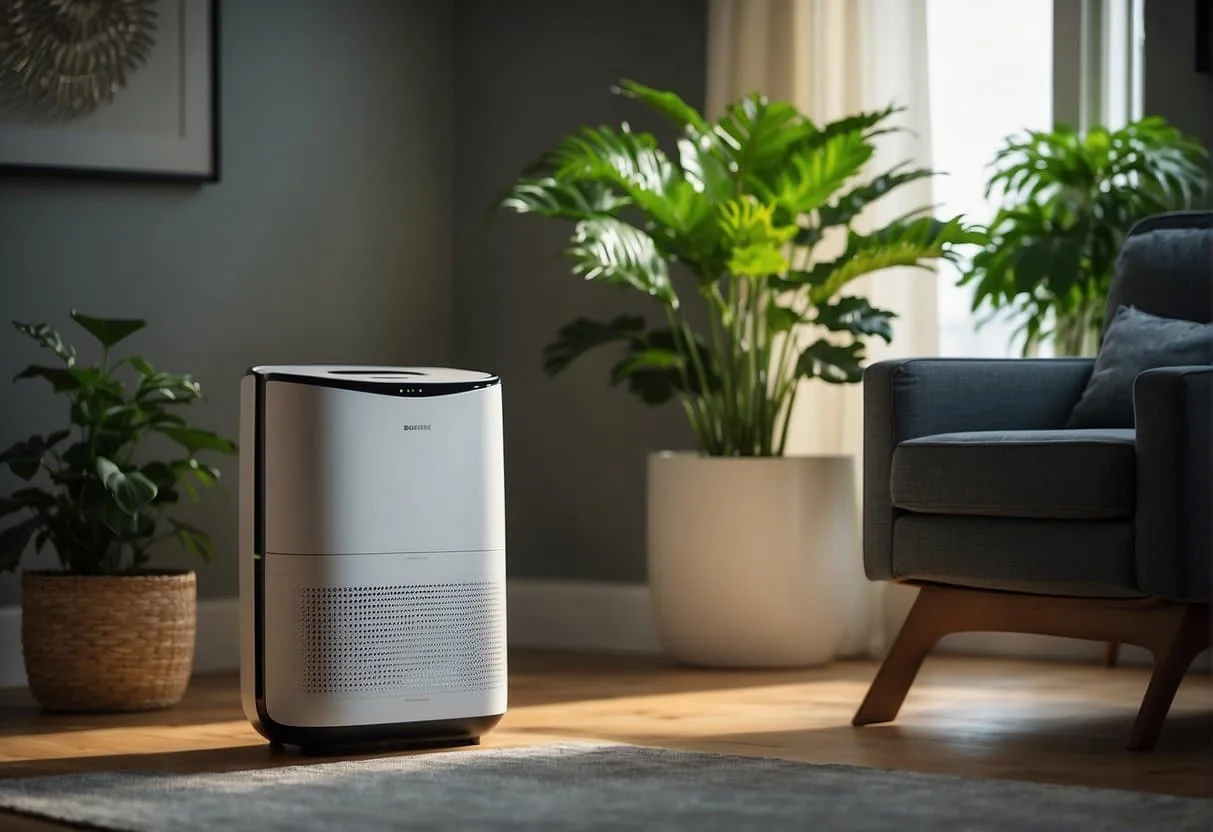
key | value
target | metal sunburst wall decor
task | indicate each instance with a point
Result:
(65, 58)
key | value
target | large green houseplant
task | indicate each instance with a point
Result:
(742, 206)
(1067, 200)
(748, 224)
(105, 631)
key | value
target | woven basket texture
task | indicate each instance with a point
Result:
(108, 643)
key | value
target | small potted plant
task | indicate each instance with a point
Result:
(1068, 200)
(745, 241)
(106, 632)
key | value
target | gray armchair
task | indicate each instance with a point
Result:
(977, 491)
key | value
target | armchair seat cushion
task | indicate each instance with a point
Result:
(1029, 474)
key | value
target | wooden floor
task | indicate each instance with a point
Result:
(1041, 721)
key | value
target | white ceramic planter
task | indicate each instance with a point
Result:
(748, 558)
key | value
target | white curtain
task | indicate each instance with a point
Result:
(833, 58)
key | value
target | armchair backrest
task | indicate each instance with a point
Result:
(1166, 267)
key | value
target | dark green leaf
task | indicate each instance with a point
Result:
(142, 366)
(196, 439)
(583, 335)
(50, 339)
(109, 331)
(831, 362)
(13, 541)
(25, 458)
(61, 379)
(160, 474)
(781, 319)
(169, 386)
(646, 359)
(130, 490)
(33, 498)
(205, 474)
(856, 316)
(851, 204)
(195, 541)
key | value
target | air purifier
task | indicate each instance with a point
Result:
(372, 555)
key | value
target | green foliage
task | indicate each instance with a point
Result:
(1069, 199)
(739, 207)
(100, 509)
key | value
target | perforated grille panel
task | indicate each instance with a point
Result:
(401, 640)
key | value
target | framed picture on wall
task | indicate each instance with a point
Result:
(125, 89)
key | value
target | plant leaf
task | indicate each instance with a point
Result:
(666, 103)
(61, 379)
(831, 362)
(610, 250)
(550, 197)
(13, 541)
(916, 243)
(812, 177)
(50, 339)
(25, 458)
(196, 439)
(169, 386)
(109, 331)
(851, 204)
(141, 365)
(856, 316)
(704, 170)
(130, 490)
(194, 539)
(781, 318)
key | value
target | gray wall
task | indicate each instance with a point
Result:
(527, 72)
(329, 237)
(1173, 87)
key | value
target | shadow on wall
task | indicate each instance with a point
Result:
(528, 72)
(328, 238)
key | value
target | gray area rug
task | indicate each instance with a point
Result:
(584, 787)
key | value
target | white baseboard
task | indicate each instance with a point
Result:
(585, 616)
(592, 616)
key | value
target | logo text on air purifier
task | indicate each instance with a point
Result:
(416, 427)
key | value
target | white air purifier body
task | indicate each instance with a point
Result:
(372, 554)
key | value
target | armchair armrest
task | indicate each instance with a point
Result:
(1173, 409)
(912, 397)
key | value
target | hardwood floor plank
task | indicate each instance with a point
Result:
(1039, 721)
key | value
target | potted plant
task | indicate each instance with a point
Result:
(1069, 198)
(106, 632)
(731, 230)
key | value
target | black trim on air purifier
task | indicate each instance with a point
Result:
(432, 732)
(405, 387)
(259, 542)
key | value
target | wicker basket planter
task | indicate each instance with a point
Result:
(108, 643)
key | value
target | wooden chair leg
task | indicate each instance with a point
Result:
(1111, 653)
(1172, 658)
(897, 672)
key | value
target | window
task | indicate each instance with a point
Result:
(991, 75)
(998, 68)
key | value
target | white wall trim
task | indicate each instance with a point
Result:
(585, 616)
(593, 616)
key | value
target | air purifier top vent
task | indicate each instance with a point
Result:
(398, 381)
(321, 373)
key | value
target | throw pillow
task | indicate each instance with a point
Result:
(1134, 342)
